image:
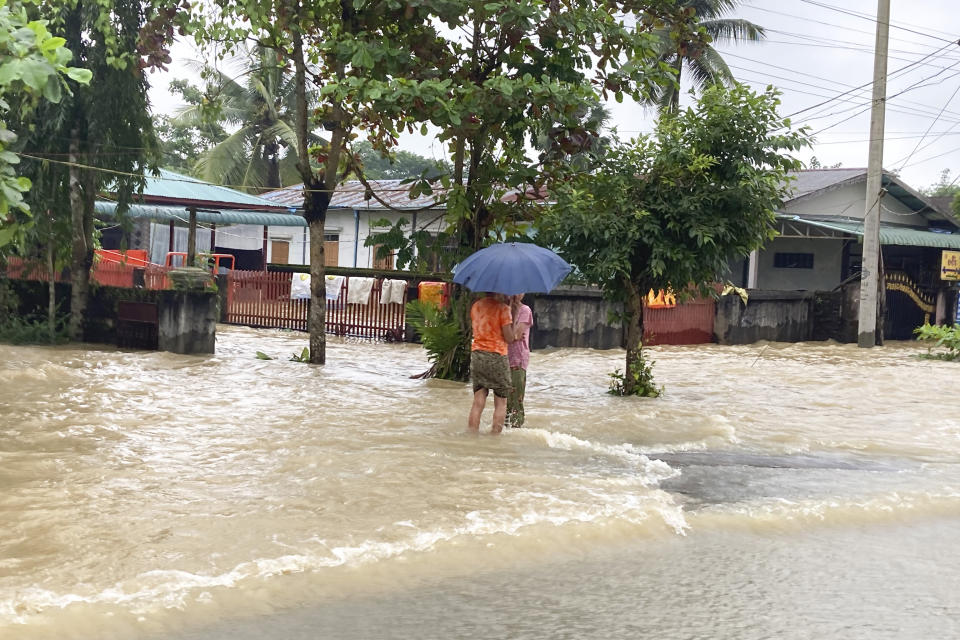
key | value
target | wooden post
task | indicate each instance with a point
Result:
(264, 247)
(213, 238)
(172, 232)
(192, 238)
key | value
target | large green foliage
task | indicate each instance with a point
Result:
(182, 143)
(100, 138)
(508, 75)
(33, 68)
(671, 210)
(256, 101)
(698, 60)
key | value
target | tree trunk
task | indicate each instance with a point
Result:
(316, 214)
(52, 284)
(80, 263)
(634, 336)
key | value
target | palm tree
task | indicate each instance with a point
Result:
(704, 63)
(261, 154)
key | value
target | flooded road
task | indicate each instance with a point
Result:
(776, 491)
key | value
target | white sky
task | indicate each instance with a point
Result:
(816, 50)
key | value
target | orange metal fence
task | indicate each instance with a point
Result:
(104, 272)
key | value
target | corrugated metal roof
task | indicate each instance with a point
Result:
(165, 213)
(890, 234)
(170, 185)
(353, 195)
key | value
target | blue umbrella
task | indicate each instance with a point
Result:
(512, 268)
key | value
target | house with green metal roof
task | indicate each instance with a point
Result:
(228, 220)
(820, 243)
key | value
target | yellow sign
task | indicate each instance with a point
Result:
(950, 265)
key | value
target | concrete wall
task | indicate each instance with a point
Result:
(187, 322)
(573, 317)
(825, 274)
(780, 316)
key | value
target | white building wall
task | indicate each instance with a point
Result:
(825, 274)
(352, 228)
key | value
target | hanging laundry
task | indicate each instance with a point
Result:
(393, 291)
(334, 285)
(358, 290)
(300, 286)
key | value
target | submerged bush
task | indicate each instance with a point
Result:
(941, 336)
(439, 330)
(643, 384)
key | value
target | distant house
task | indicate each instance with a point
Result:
(820, 245)
(229, 221)
(351, 218)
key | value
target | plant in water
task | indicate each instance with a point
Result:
(640, 382)
(303, 356)
(262, 356)
(440, 331)
(941, 336)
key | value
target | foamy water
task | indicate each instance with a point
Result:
(153, 495)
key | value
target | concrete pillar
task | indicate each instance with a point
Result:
(753, 269)
(187, 322)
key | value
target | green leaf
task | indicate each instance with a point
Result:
(262, 356)
(53, 91)
(77, 74)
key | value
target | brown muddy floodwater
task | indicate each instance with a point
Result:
(776, 491)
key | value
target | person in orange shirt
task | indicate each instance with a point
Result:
(492, 332)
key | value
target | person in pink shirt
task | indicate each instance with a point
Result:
(518, 355)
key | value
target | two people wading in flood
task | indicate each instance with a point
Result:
(499, 356)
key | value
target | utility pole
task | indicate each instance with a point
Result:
(870, 269)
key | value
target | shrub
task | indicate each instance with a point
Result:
(942, 336)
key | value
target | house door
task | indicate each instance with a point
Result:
(280, 252)
(385, 262)
(331, 250)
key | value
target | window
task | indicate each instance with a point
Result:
(793, 261)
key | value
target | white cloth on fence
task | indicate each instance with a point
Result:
(300, 286)
(358, 290)
(392, 291)
(334, 285)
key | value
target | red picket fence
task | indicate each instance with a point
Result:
(262, 299)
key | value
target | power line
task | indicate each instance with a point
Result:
(874, 20)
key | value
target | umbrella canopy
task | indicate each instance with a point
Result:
(512, 268)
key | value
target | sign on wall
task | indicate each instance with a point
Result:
(950, 265)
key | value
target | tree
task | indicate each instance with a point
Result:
(505, 69)
(399, 165)
(33, 69)
(260, 104)
(182, 144)
(944, 187)
(670, 211)
(704, 64)
(357, 54)
(100, 137)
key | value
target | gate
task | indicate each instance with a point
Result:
(262, 299)
(908, 306)
(687, 323)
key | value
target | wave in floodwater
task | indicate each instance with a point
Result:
(146, 492)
